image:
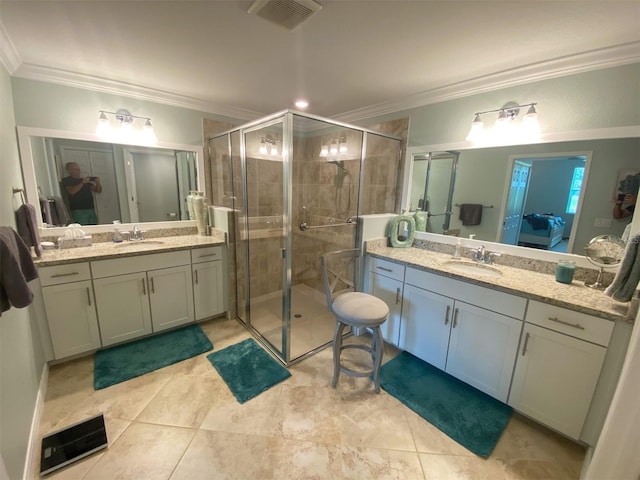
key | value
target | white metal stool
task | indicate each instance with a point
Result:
(353, 309)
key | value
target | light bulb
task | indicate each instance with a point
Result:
(333, 150)
(148, 133)
(324, 151)
(263, 147)
(530, 124)
(104, 127)
(477, 130)
(343, 146)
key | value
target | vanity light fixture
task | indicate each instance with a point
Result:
(504, 128)
(125, 121)
(338, 146)
(268, 146)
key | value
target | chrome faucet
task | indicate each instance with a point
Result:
(481, 255)
(137, 233)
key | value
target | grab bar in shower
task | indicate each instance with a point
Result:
(304, 226)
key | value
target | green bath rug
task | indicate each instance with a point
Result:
(247, 369)
(124, 362)
(469, 416)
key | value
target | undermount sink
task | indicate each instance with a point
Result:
(141, 243)
(473, 268)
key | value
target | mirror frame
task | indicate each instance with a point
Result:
(29, 175)
(579, 135)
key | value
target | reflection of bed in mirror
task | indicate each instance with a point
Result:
(541, 231)
(482, 177)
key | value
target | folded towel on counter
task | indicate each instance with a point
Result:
(626, 280)
(471, 213)
(28, 227)
(16, 269)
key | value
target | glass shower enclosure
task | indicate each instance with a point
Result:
(296, 186)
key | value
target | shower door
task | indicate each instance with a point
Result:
(265, 174)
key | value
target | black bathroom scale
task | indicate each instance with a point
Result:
(66, 446)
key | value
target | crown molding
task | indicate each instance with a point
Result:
(8, 54)
(98, 84)
(568, 65)
(559, 67)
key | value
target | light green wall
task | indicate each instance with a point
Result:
(46, 105)
(21, 354)
(598, 99)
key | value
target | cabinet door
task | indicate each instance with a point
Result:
(555, 378)
(207, 289)
(390, 291)
(171, 294)
(123, 307)
(482, 349)
(72, 319)
(425, 325)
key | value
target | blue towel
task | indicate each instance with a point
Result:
(628, 276)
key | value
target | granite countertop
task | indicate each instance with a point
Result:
(525, 283)
(106, 250)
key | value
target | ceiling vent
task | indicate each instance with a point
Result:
(286, 13)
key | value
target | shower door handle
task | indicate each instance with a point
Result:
(283, 253)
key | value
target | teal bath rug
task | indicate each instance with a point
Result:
(124, 362)
(469, 416)
(247, 369)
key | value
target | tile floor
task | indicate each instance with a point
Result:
(182, 423)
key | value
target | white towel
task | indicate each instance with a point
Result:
(628, 276)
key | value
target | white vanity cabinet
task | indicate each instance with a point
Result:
(138, 295)
(558, 366)
(70, 308)
(470, 332)
(386, 282)
(207, 270)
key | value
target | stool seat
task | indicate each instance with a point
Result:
(360, 309)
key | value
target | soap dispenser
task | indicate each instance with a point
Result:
(458, 251)
(117, 237)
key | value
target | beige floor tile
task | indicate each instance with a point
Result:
(375, 421)
(287, 458)
(143, 451)
(360, 463)
(429, 439)
(256, 416)
(540, 470)
(448, 467)
(310, 414)
(183, 401)
(222, 455)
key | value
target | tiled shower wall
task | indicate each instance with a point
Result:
(315, 183)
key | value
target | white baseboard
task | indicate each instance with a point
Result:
(34, 445)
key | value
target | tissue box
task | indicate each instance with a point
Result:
(74, 242)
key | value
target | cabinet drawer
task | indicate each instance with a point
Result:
(486, 298)
(139, 263)
(387, 268)
(72, 272)
(207, 254)
(569, 322)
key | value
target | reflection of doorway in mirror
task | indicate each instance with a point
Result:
(551, 202)
(151, 186)
(96, 163)
(515, 202)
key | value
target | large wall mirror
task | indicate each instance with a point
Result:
(126, 183)
(549, 196)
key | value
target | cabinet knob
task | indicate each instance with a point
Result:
(526, 341)
(397, 295)
(455, 318)
(446, 315)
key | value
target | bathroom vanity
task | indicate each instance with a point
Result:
(551, 351)
(111, 293)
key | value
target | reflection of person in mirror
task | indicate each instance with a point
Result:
(80, 192)
(627, 196)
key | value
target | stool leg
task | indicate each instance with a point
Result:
(337, 348)
(378, 347)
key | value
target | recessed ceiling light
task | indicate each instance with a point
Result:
(302, 103)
